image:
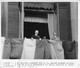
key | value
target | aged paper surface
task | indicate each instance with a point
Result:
(22, 63)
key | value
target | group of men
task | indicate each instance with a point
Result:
(36, 36)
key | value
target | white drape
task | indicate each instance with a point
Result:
(2, 40)
(52, 24)
(55, 23)
(29, 46)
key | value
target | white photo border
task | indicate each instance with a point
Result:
(45, 63)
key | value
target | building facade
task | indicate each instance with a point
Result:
(19, 20)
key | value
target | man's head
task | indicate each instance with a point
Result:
(54, 34)
(36, 32)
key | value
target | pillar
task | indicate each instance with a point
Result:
(74, 20)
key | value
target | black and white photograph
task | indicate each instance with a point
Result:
(39, 30)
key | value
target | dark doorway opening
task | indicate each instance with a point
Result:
(30, 27)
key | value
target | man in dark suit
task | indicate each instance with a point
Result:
(36, 36)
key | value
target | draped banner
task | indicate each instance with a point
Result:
(57, 51)
(17, 48)
(28, 49)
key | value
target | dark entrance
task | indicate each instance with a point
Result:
(29, 29)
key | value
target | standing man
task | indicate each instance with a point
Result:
(55, 37)
(36, 36)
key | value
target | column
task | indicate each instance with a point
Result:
(4, 19)
(22, 20)
(74, 20)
